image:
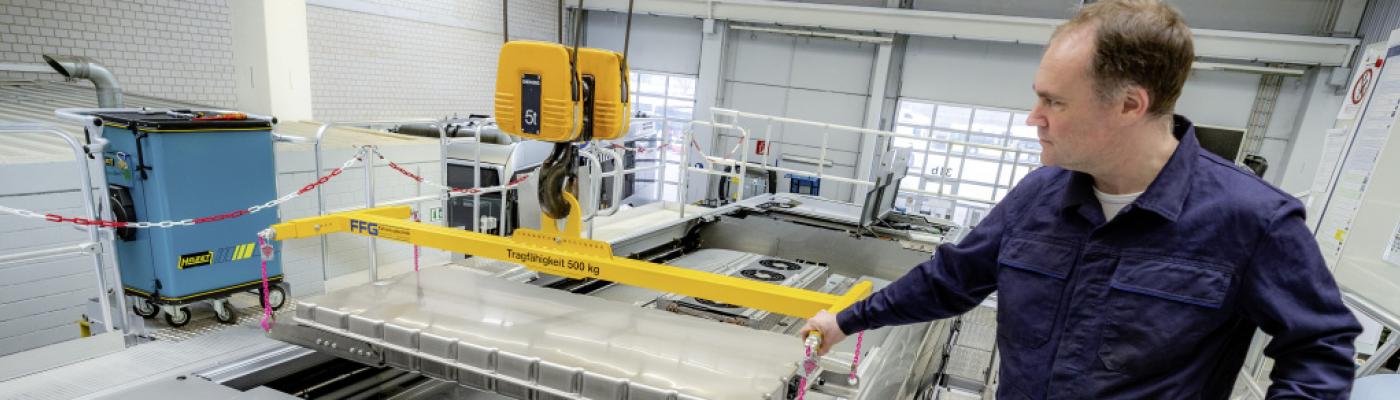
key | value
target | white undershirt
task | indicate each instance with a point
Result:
(1112, 203)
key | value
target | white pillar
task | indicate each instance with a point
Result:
(1317, 114)
(272, 63)
(874, 110)
(707, 91)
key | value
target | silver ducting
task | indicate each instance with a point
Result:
(109, 93)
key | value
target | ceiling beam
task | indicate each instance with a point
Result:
(1211, 43)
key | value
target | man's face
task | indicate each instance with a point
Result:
(1074, 125)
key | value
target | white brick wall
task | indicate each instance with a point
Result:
(174, 49)
(379, 59)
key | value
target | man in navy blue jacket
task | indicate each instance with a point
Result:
(1134, 264)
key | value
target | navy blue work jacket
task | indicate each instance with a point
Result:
(1158, 303)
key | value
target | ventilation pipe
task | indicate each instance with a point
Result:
(109, 93)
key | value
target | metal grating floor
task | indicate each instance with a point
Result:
(969, 363)
(979, 329)
(249, 314)
(179, 353)
(970, 355)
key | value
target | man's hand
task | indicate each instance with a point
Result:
(825, 323)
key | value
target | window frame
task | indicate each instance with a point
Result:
(669, 176)
(955, 158)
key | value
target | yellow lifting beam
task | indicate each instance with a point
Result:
(567, 254)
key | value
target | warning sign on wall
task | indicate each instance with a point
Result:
(1361, 85)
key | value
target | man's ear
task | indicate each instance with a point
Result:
(1135, 101)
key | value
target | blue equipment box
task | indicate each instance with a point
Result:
(170, 166)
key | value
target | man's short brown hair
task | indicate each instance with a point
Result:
(1142, 42)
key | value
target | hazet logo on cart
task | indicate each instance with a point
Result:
(196, 259)
(216, 256)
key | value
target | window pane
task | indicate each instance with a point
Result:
(1020, 129)
(677, 131)
(646, 189)
(909, 182)
(683, 110)
(911, 130)
(954, 136)
(980, 171)
(917, 145)
(1030, 145)
(935, 206)
(651, 84)
(1009, 177)
(916, 113)
(953, 117)
(932, 186)
(925, 208)
(945, 135)
(984, 174)
(682, 87)
(936, 166)
(1030, 159)
(650, 106)
(969, 215)
(672, 173)
(975, 191)
(990, 121)
(902, 203)
(669, 193)
(987, 140)
(916, 161)
(1026, 145)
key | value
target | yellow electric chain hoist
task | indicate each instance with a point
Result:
(605, 74)
(554, 93)
(542, 93)
(537, 92)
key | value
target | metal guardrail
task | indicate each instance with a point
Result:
(368, 167)
(93, 246)
(1377, 313)
(743, 163)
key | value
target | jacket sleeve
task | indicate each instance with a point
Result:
(1289, 292)
(956, 279)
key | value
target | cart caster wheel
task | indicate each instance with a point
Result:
(224, 313)
(144, 308)
(278, 297)
(178, 318)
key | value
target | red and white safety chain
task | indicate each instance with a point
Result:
(192, 221)
(358, 157)
(265, 252)
(638, 150)
(809, 364)
(509, 185)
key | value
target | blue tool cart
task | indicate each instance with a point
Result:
(183, 165)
